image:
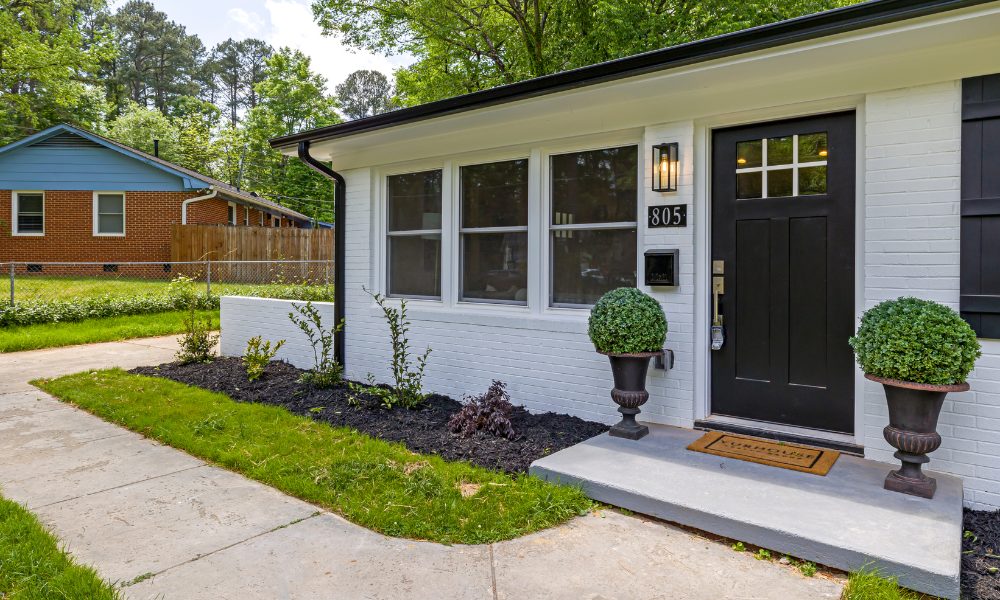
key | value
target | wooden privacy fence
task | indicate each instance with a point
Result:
(227, 243)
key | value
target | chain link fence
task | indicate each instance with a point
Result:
(65, 291)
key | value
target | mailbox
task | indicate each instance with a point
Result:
(662, 267)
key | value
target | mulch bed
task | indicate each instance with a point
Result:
(981, 555)
(423, 430)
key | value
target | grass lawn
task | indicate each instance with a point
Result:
(869, 585)
(380, 485)
(50, 335)
(33, 568)
(53, 287)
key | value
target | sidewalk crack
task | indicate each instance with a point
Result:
(493, 574)
(118, 487)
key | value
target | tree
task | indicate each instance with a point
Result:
(157, 60)
(290, 98)
(364, 94)
(137, 126)
(237, 67)
(468, 45)
(49, 52)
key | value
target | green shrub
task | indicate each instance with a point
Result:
(627, 321)
(326, 371)
(915, 340)
(198, 342)
(257, 355)
(409, 391)
(80, 309)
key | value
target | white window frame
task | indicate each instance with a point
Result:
(231, 217)
(275, 221)
(440, 232)
(261, 215)
(548, 227)
(246, 216)
(14, 200)
(95, 220)
(462, 231)
(795, 165)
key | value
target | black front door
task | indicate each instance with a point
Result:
(783, 246)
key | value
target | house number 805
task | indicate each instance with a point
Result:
(674, 215)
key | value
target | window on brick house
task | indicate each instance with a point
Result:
(109, 213)
(29, 213)
(231, 213)
(246, 216)
(275, 221)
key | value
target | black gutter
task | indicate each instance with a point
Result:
(339, 237)
(809, 27)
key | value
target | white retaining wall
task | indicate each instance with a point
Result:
(243, 318)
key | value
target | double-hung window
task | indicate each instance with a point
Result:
(593, 226)
(231, 213)
(29, 213)
(494, 232)
(413, 207)
(109, 213)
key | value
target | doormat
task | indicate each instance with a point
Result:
(767, 452)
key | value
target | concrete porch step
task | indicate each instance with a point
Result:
(844, 520)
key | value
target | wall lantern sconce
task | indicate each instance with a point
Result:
(665, 167)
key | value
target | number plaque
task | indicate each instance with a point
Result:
(671, 215)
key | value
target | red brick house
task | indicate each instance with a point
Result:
(67, 194)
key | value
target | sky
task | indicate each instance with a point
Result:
(280, 23)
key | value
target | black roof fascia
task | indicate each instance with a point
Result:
(809, 27)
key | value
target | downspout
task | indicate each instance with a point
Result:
(339, 237)
(184, 205)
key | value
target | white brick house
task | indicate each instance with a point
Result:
(860, 108)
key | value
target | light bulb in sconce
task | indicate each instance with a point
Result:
(666, 164)
(823, 153)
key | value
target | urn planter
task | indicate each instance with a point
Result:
(629, 372)
(912, 430)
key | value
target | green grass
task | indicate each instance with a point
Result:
(50, 335)
(380, 485)
(33, 568)
(54, 287)
(867, 584)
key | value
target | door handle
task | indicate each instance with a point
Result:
(718, 289)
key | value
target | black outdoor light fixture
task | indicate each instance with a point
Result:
(665, 166)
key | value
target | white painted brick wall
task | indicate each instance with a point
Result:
(913, 168)
(243, 318)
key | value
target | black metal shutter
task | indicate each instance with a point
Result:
(980, 272)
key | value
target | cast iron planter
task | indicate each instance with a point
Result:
(912, 430)
(629, 393)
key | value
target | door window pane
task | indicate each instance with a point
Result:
(812, 180)
(589, 263)
(812, 147)
(495, 266)
(749, 185)
(779, 150)
(415, 265)
(30, 213)
(779, 183)
(495, 194)
(748, 154)
(597, 186)
(414, 201)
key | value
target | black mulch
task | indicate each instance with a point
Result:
(981, 555)
(422, 430)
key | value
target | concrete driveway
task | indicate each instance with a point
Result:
(166, 525)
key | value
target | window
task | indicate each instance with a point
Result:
(593, 227)
(494, 232)
(29, 211)
(413, 205)
(109, 213)
(231, 213)
(781, 167)
(246, 216)
(275, 221)
(261, 218)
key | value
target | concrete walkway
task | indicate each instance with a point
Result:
(166, 525)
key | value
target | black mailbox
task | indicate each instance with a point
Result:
(662, 267)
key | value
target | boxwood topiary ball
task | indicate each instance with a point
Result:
(916, 340)
(627, 321)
